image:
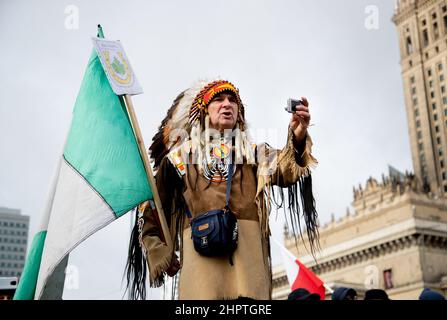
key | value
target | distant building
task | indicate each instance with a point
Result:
(396, 238)
(13, 242)
(422, 36)
(8, 286)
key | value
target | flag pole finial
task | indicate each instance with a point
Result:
(100, 32)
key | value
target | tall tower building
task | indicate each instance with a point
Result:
(422, 31)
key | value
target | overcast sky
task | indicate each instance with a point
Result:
(271, 50)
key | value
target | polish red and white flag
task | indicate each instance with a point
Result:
(299, 276)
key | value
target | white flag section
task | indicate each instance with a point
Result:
(100, 178)
(77, 212)
(290, 265)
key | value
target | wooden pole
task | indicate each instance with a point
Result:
(147, 167)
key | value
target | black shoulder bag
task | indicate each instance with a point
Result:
(215, 232)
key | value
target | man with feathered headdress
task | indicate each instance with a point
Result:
(203, 133)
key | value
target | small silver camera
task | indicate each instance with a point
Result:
(292, 104)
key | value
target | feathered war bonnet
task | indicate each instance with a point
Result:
(188, 120)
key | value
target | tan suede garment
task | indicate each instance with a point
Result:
(215, 278)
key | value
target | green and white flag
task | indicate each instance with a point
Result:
(101, 176)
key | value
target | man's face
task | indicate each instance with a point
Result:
(223, 110)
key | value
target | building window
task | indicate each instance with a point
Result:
(432, 94)
(444, 176)
(441, 163)
(430, 83)
(440, 66)
(422, 157)
(419, 134)
(445, 112)
(437, 128)
(444, 8)
(409, 46)
(429, 72)
(433, 15)
(438, 140)
(388, 279)
(443, 89)
(415, 101)
(435, 117)
(412, 79)
(413, 90)
(425, 37)
(435, 30)
(416, 112)
(445, 188)
(433, 106)
(440, 152)
(421, 146)
(424, 22)
(418, 123)
(441, 77)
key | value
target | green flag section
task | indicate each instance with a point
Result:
(107, 160)
(101, 176)
(28, 280)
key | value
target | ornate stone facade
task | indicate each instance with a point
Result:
(396, 239)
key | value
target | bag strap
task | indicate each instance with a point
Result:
(229, 179)
(228, 191)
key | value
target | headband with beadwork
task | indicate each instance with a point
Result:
(207, 94)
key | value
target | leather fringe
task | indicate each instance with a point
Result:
(135, 269)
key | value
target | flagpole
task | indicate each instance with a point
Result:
(150, 175)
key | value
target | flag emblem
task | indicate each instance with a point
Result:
(118, 68)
